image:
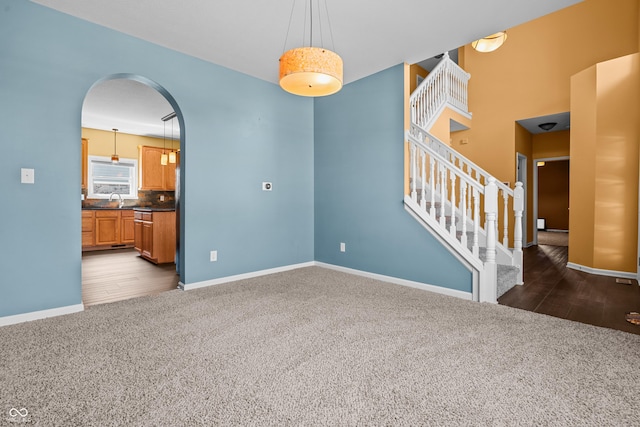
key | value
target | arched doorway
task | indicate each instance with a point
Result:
(133, 199)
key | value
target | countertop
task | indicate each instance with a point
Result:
(155, 209)
(125, 208)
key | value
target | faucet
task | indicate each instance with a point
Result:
(120, 202)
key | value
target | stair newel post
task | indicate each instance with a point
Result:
(413, 171)
(488, 291)
(518, 207)
(505, 233)
(452, 229)
(432, 187)
(443, 194)
(463, 210)
(423, 176)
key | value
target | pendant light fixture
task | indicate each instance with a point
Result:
(171, 157)
(172, 154)
(310, 70)
(164, 158)
(115, 159)
(490, 43)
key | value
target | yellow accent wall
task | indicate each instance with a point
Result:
(101, 143)
(531, 76)
(604, 165)
(414, 71)
(551, 144)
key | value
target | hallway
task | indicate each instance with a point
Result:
(551, 288)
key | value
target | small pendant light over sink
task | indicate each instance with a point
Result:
(311, 71)
(115, 159)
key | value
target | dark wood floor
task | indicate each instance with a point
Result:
(552, 288)
(119, 274)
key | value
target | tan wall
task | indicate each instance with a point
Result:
(583, 164)
(414, 71)
(616, 191)
(441, 129)
(553, 194)
(604, 168)
(551, 144)
(101, 143)
(524, 145)
(529, 76)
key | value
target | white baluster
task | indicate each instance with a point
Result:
(423, 202)
(443, 195)
(505, 233)
(463, 209)
(452, 229)
(476, 222)
(412, 152)
(432, 187)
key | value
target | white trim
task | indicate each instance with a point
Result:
(523, 160)
(42, 314)
(600, 272)
(398, 281)
(251, 275)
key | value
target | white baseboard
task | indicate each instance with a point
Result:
(398, 281)
(600, 272)
(213, 282)
(42, 314)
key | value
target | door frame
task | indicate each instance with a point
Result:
(535, 189)
(522, 176)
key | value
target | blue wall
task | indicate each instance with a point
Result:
(359, 167)
(238, 132)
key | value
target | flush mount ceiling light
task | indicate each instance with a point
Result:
(310, 70)
(490, 43)
(547, 126)
(115, 159)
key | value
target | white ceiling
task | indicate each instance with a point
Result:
(250, 36)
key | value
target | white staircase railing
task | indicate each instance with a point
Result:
(448, 191)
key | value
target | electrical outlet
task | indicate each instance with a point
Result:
(213, 256)
(27, 176)
(162, 197)
(343, 247)
(267, 186)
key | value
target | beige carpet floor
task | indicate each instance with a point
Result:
(315, 347)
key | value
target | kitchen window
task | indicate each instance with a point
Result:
(106, 178)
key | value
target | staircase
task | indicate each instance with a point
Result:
(460, 203)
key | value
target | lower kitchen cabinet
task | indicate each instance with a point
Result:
(155, 235)
(88, 227)
(107, 228)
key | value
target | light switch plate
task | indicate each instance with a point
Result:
(27, 176)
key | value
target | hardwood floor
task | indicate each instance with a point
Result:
(552, 288)
(119, 274)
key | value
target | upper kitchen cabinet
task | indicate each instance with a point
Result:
(152, 174)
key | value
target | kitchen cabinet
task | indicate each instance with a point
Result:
(126, 227)
(107, 228)
(155, 235)
(88, 224)
(151, 174)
